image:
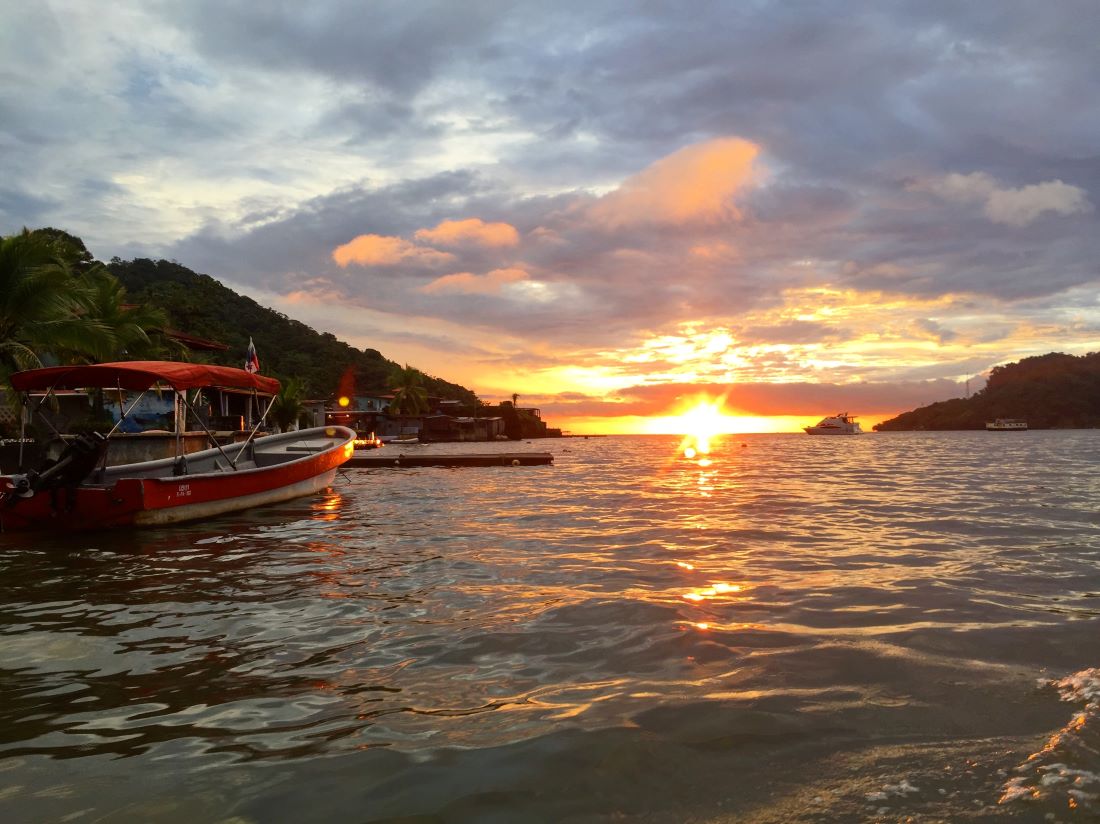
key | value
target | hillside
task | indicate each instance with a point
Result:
(1053, 391)
(201, 306)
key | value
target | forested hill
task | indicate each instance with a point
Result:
(1052, 391)
(201, 306)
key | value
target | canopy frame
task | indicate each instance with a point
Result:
(142, 376)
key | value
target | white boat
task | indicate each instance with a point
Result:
(1006, 425)
(839, 424)
(406, 436)
(78, 490)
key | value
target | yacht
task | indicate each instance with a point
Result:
(839, 424)
(1006, 425)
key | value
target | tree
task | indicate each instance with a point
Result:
(409, 395)
(68, 246)
(287, 407)
(44, 308)
(137, 329)
(201, 306)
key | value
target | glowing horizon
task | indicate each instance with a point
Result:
(731, 424)
(603, 260)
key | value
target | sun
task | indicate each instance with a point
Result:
(701, 417)
(702, 420)
(707, 416)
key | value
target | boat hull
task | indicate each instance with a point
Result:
(142, 501)
(840, 424)
(1006, 426)
(220, 506)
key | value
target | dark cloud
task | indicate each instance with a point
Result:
(274, 248)
(388, 44)
(906, 149)
(19, 209)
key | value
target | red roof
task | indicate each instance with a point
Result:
(140, 375)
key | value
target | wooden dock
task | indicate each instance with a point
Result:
(380, 458)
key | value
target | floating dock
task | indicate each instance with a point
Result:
(385, 458)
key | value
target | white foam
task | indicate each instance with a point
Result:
(1081, 686)
(1055, 771)
(1017, 789)
(899, 790)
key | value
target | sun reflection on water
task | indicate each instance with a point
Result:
(712, 591)
(328, 507)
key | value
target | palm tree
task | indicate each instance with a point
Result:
(138, 330)
(409, 395)
(287, 407)
(43, 307)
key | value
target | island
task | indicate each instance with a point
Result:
(1052, 391)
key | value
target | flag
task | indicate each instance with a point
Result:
(252, 361)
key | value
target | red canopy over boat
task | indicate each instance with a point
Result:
(140, 375)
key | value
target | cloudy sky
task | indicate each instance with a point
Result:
(609, 208)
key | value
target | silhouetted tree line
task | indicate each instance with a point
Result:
(58, 304)
(1052, 391)
(199, 305)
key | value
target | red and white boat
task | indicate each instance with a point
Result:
(79, 490)
(839, 424)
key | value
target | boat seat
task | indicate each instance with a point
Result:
(273, 458)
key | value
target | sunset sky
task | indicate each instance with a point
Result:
(610, 208)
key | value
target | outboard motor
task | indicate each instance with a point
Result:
(75, 463)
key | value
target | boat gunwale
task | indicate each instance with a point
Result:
(120, 471)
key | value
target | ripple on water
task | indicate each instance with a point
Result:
(869, 616)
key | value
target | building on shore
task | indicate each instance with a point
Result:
(445, 420)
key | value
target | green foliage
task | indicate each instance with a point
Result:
(46, 310)
(199, 305)
(137, 329)
(1053, 391)
(57, 304)
(409, 395)
(287, 407)
(70, 247)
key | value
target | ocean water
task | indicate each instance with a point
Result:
(893, 627)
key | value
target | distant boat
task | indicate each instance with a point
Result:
(1006, 425)
(399, 439)
(839, 424)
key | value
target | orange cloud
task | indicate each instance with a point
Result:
(468, 283)
(473, 230)
(696, 183)
(379, 250)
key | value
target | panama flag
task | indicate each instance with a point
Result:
(252, 361)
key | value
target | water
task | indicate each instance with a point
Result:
(882, 628)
